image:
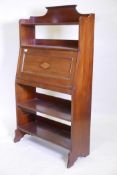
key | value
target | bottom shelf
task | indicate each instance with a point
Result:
(49, 130)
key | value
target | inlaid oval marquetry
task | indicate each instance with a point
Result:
(45, 65)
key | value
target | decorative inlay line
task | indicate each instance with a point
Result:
(23, 62)
(24, 54)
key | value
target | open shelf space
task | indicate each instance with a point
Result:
(51, 44)
(50, 130)
(49, 105)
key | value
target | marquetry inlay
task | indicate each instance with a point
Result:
(45, 65)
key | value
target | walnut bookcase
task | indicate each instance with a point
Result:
(59, 65)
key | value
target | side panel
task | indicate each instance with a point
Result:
(23, 93)
(81, 97)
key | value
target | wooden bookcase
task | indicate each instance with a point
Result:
(59, 65)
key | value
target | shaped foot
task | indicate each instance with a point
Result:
(18, 135)
(71, 159)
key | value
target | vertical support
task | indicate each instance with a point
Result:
(27, 33)
(82, 90)
(23, 93)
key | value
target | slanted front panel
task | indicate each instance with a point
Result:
(46, 66)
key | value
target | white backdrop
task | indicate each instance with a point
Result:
(105, 60)
(104, 102)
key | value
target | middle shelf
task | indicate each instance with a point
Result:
(56, 107)
(68, 45)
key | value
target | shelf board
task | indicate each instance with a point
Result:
(57, 44)
(28, 23)
(49, 47)
(49, 130)
(49, 105)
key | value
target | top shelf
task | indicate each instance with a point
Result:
(58, 15)
(29, 23)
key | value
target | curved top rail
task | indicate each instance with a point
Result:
(56, 15)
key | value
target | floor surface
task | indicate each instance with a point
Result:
(32, 156)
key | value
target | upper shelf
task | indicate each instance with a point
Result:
(59, 15)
